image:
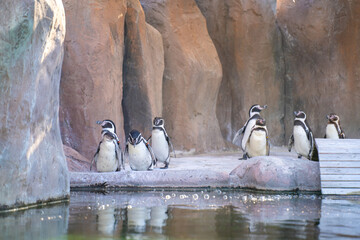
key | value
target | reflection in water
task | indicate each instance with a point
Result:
(106, 220)
(187, 215)
(36, 223)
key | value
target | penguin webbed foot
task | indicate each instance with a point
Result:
(244, 157)
(166, 166)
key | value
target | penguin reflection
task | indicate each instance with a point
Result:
(105, 219)
(159, 215)
(139, 217)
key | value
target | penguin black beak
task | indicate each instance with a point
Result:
(99, 122)
(328, 117)
(265, 107)
(296, 113)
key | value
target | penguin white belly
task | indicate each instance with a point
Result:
(247, 132)
(159, 145)
(106, 160)
(139, 157)
(301, 142)
(331, 132)
(256, 146)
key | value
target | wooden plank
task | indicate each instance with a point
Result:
(325, 177)
(339, 156)
(342, 184)
(340, 164)
(339, 149)
(338, 146)
(341, 191)
(343, 171)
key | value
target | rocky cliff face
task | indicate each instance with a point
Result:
(321, 54)
(202, 64)
(32, 162)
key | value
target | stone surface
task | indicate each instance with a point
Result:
(192, 74)
(143, 71)
(282, 171)
(322, 56)
(91, 81)
(32, 161)
(77, 162)
(248, 42)
(277, 173)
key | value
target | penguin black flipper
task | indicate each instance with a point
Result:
(151, 152)
(95, 156)
(117, 153)
(291, 142)
(240, 133)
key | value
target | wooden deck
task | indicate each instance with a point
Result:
(339, 166)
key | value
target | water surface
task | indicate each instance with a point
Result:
(212, 214)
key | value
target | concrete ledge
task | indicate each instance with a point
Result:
(280, 172)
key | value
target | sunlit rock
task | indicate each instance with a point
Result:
(32, 161)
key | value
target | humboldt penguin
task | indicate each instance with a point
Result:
(333, 128)
(140, 154)
(258, 142)
(108, 155)
(254, 114)
(160, 142)
(302, 138)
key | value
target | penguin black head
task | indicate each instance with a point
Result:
(134, 137)
(333, 118)
(158, 122)
(107, 135)
(260, 122)
(300, 115)
(256, 108)
(107, 125)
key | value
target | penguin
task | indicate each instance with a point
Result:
(333, 128)
(140, 154)
(302, 138)
(160, 142)
(254, 114)
(108, 155)
(258, 142)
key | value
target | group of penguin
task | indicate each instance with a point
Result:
(253, 137)
(141, 156)
(255, 142)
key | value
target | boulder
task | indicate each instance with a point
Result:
(322, 57)
(91, 81)
(32, 162)
(249, 45)
(277, 174)
(143, 71)
(192, 74)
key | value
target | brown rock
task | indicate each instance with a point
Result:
(277, 173)
(32, 162)
(77, 162)
(249, 46)
(143, 71)
(91, 83)
(192, 74)
(322, 56)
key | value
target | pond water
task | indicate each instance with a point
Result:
(203, 214)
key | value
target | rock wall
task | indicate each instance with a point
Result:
(32, 162)
(143, 71)
(249, 46)
(322, 57)
(192, 74)
(202, 63)
(91, 81)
